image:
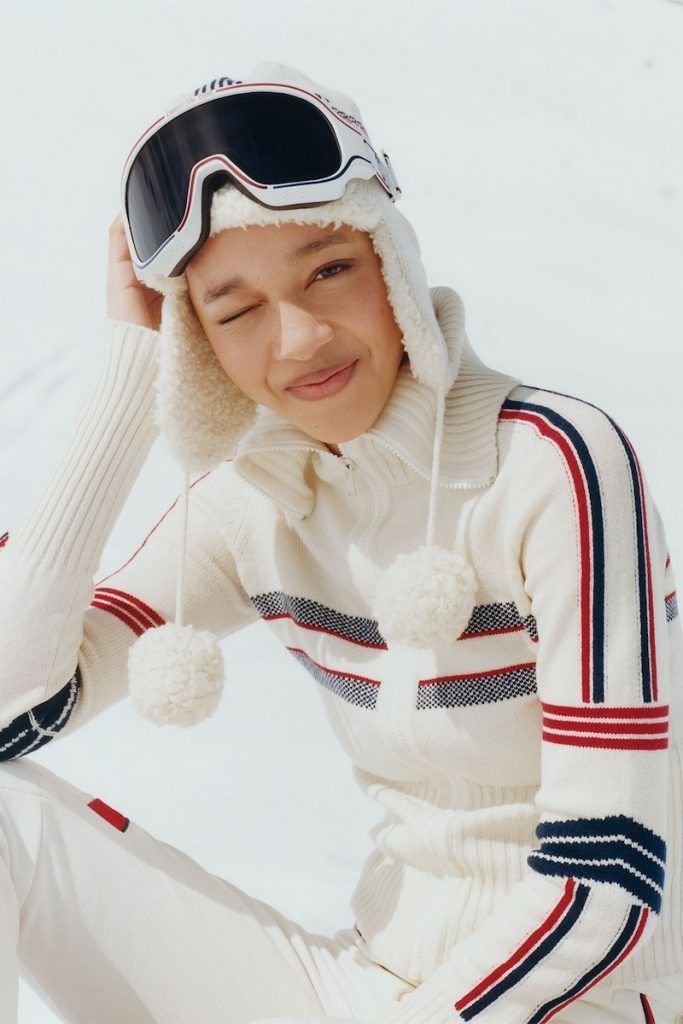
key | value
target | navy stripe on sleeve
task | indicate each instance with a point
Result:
(38, 726)
(616, 849)
(619, 949)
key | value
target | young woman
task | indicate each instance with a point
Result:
(472, 570)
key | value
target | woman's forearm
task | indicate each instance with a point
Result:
(48, 563)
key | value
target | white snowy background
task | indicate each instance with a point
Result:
(539, 147)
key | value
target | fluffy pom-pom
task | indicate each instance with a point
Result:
(175, 674)
(426, 598)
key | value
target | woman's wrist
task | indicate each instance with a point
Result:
(124, 329)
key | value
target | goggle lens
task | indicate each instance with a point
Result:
(273, 138)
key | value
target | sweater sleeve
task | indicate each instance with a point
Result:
(592, 559)
(64, 640)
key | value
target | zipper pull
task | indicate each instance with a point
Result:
(348, 477)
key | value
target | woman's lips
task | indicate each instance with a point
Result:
(324, 388)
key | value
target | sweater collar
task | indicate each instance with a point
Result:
(277, 458)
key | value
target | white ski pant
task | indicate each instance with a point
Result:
(112, 926)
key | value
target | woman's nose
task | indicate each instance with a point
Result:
(301, 333)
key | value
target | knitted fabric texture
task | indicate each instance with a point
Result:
(503, 882)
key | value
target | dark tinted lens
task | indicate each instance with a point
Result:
(272, 137)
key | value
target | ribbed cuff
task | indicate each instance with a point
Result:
(76, 511)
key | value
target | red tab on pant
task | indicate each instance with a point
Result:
(114, 818)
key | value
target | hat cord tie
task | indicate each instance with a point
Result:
(436, 465)
(426, 597)
(180, 589)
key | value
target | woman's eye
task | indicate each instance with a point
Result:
(235, 316)
(332, 270)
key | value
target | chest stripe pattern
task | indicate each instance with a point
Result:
(358, 690)
(459, 691)
(591, 529)
(496, 618)
(312, 615)
(492, 619)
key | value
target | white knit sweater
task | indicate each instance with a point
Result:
(530, 773)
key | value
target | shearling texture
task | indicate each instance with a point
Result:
(425, 598)
(201, 413)
(175, 674)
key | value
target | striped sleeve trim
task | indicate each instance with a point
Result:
(615, 849)
(543, 942)
(137, 615)
(497, 618)
(588, 503)
(626, 940)
(4, 537)
(529, 955)
(643, 727)
(38, 726)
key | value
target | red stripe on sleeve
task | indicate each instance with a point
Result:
(605, 711)
(522, 950)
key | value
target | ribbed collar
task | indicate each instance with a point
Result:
(278, 458)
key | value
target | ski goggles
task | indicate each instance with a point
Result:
(281, 145)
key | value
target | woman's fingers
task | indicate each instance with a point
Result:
(127, 298)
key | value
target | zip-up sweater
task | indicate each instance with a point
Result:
(530, 772)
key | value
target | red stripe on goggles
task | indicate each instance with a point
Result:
(282, 146)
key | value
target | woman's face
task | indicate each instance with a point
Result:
(299, 319)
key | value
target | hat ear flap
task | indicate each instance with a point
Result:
(201, 413)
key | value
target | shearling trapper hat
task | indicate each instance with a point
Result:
(425, 598)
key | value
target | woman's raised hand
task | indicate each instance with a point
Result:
(127, 298)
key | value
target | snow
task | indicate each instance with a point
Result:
(539, 150)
